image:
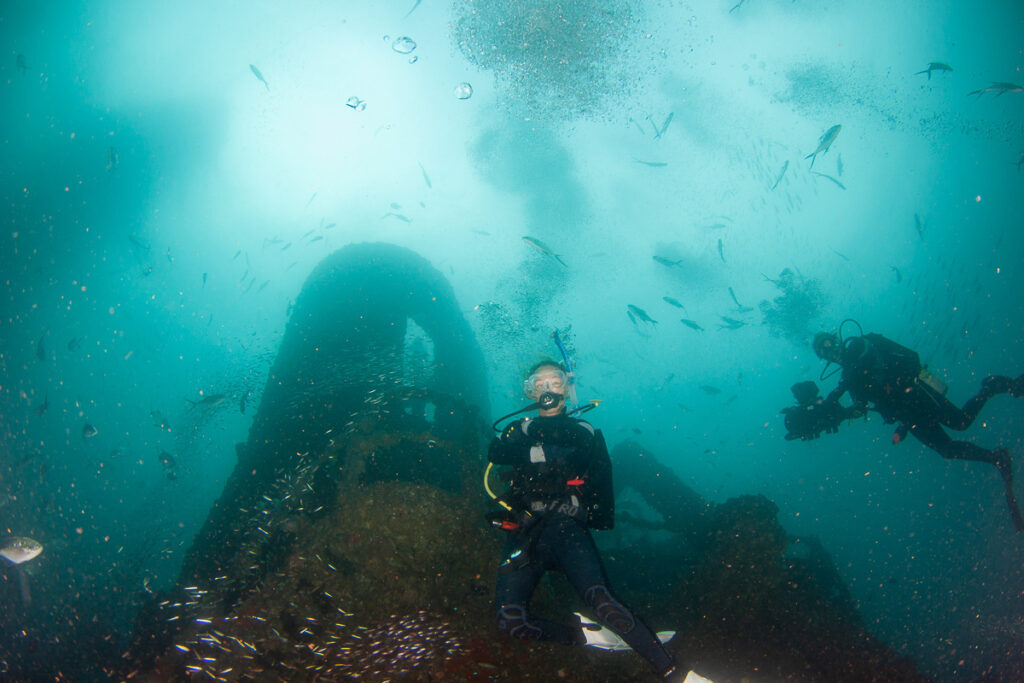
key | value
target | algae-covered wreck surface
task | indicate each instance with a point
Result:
(350, 541)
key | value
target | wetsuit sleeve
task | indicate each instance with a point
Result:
(837, 393)
(601, 510)
(511, 448)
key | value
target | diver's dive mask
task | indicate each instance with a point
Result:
(547, 380)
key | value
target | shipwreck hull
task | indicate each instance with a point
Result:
(350, 540)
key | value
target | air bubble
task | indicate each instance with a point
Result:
(403, 45)
(463, 91)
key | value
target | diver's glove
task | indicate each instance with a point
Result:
(514, 433)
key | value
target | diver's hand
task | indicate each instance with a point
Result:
(514, 434)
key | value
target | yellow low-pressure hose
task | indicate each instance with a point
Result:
(487, 487)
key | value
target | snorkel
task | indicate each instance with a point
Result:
(572, 403)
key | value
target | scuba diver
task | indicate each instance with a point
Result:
(888, 378)
(561, 487)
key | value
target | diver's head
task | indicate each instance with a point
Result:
(828, 347)
(547, 384)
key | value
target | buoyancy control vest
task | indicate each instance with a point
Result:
(563, 468)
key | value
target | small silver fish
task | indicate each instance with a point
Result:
(824, 143)
(543, 248)
(998, 89)
(639, 314)
(257, 74)
(781, 174)
(935, 66)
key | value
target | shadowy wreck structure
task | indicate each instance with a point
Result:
(350, 540)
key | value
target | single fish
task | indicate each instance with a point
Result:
(257, 74)
(673, 302)
(204, 279)
(716, 226)
(159, 420)
(261, 287)
(329, 226)
(75, 343)
(19, 549)
(739, 307)
(111, 158)
(1019, 162)
(88, 431)
(316, 239)
(543, 248)
(730, 323)
(404, 219)
(691, 324)
(638, 126)
(721, 254)
(170, 259)
(169, 464)
(825, 175)
(667, 262)
(841, 255)
(208, 401)
(896, 271)
(139, 244)
(41, 348)
(241, 403)
(286, 246)
(664, 126)
(782, 173)
(19, 61)
(824, 143)
(396, 206)
(426, 178)
(919, 225)
(998, 89)
(640, 314)
(41, 409)
(267, 242)
(710, 390)
(414, 6)
(839, 165)
(652, 164)
(237, 254)
(935, 66)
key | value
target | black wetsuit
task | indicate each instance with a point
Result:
(561, 487)
(885, 376)
(880, 374)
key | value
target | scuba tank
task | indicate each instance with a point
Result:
(933, 381)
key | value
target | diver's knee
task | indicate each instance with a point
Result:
(609, 611)
(513, 621)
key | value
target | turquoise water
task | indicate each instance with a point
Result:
(170, 176)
